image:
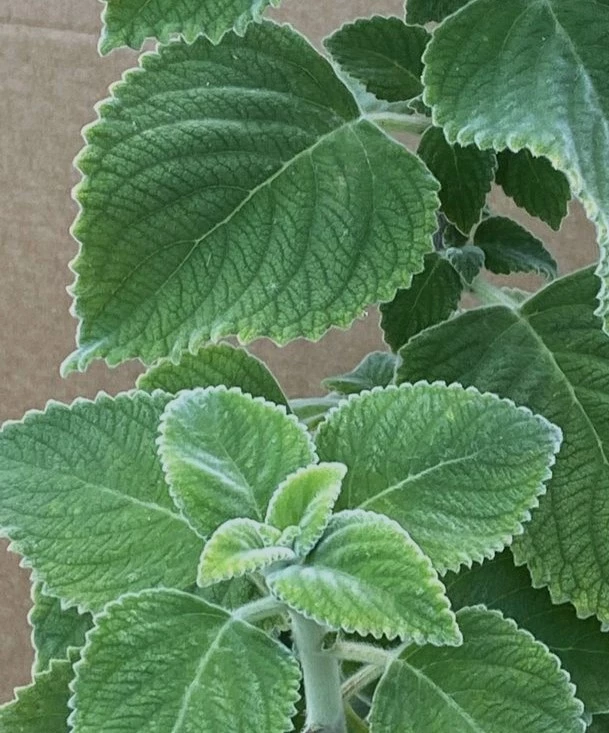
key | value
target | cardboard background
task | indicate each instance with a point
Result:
(50, 79)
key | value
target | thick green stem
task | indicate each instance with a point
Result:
(489, 294)
(360, 680)
(396, 122)
(321, 672)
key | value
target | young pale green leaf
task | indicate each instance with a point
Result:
(224, 453)
(534, 75)
(131, 22)
(166, 661)
(248, 197)
(467, 261)
(42, 707)
(459, 470)
(366, 575)
(374, 370)
(432, 297)
(83, 498)
(211, 366)
(240, 546)
(499, 681)
(535, 185)
(312, 410)
(580, 645)
(383, 54)
(305, 500)
(428, 11)
(509, 247)
(553, 356)
(465, 175)
(54, 630)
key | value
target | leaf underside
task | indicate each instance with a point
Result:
(553, 356)
(374, 370)
(427, 11)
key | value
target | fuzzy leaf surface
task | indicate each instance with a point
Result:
(249, 197)
(551, 355)
(54, 630)
(580, 645)
(535, 185)
(535, 75)
(84, 500)
(428, 11)
(465, 175)
(429, 457)
(166, 661)
(240, 546)
(224, 453)
(366, 575)
(467, 261)
(374, 370)
(499, 681)
(131, 22)
(42, 707)
(383, 54)
(211, 366)
(305, 500)
(432, 297)
(509, 247)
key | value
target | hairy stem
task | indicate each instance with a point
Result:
(365, 653)
(490, 294)
(259, 610)
(321, 672)
(361, 679)
(397, 122)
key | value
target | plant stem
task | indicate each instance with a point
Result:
(321, 672)
(259, 610)
(365, 653)
(397, 122)
(361, 679)
(356, 724)
(489, 294)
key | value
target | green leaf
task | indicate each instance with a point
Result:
(465, 175)
(535, 185)
(508, 247)
(230, 594)
(427, 11)
(305, 500)
(212, 366)
(499, 681)
(533, 75)
(580, 645)
(467, 261)
(383, 54)
(431, 298)
(600, 724)
(224, 453)
(312, 410)
(366, 575)
(167, 661)
(131, 22)
(429, 457)
(248, 198)
(42, 707)
(83, 498)
(375, 370)
(553, 356)
(240, 546)
(54, 630)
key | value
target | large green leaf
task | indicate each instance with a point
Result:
(167, 661)
(534, 75)
(535, 185)
(54, 630)
(509, 247)
(432, 297)
(580, 645)
(83, 498)
(383, 54)
(374, 370)
(212, 366)
(427, 11)
(499, 681)
(553, 356)
(467, 261)
(131, 22)
(465, 175)
(224, 453)
(366, 575)
(600, 724)
(304, 502)
(42, 707)
(429, 457)
(247, 196)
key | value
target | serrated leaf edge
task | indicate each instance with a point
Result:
(18, 691)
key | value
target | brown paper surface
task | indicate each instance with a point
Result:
(50, 78)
